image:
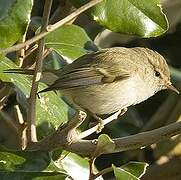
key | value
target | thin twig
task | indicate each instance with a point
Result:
(91, 168)
(51, 28)
(47, 52)
(18, 115)
(31, 50)
(21, 52)
(24, 138)
(104, 171)
(31, 127)
(94, 129)
(23, 126)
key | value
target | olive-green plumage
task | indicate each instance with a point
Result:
(112, 79)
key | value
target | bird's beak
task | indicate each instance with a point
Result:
(172, 88)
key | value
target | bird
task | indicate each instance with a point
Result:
(113, 79)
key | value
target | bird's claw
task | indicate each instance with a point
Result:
(100, 126)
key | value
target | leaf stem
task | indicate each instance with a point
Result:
(102, 172)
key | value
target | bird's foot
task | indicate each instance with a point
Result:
(100, 124)
(123, 111)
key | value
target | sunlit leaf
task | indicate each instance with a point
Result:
(76, 166)
(131, 170)
(137, 17)
(104, 145)
(136, 168)
(28, 165)
(122, 174)
(70, 41)
(14, 17)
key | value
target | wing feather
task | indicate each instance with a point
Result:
(90, 69)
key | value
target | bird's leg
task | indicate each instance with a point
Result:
(123, 111)
(102, 122)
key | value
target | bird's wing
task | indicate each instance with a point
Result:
(89, 70)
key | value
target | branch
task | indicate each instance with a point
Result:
(141, 140)
(63, 137)
(105, 121)
(31, 127)
(87, 147)
(51, 28)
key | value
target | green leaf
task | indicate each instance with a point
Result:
(131, 170)
(28, 165)
(14, 17)
(136, 168)
(70, 41)
(76, 166)
(54, 62)
(40, 162)
(104, 145)
(9, 161)
(24, 161)
(32, 175)
(51, 109)
(121, 174)
(137, 17)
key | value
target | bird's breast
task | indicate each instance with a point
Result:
(110, 97)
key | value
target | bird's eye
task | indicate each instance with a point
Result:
(157, 74)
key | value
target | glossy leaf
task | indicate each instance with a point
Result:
(14, 17)
(28, 165)
(70, 41)
(76, 166)
(121, 174)
(136, 168)
(136, 17)
(104, 145)
(131, 170)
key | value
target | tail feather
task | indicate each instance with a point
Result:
(20, 71)
(45, 90)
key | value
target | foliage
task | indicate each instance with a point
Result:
(14, 18)
(140, 18)
(73, 46)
